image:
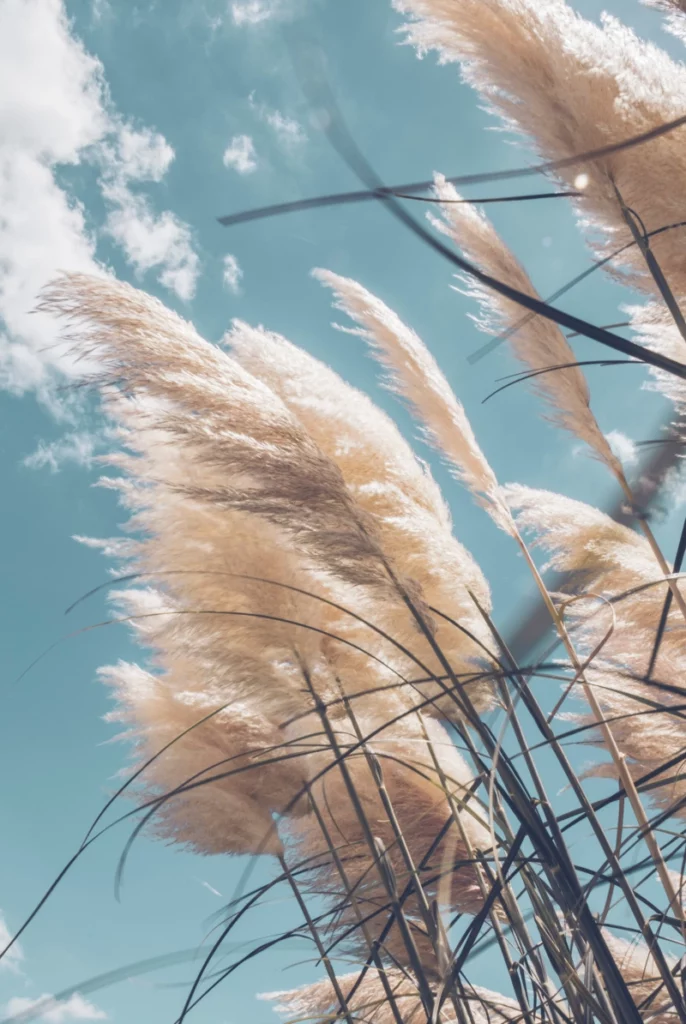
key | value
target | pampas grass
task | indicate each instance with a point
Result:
(324, 683)
(539, 344)
(606, 561)
(522, 55)
(317, 1002)
(413, 373)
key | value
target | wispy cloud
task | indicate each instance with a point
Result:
(240, 154)
(76, 448)
(623, 447)
(52, 1011)
(252, 12)
(150, 241)
(232, 274)
(52, 106)
(13, 959)
(674, 487)
(287, 129)
(141, 155)
(153, 241)
(56, 111)
(45, 1007)
(100, 9)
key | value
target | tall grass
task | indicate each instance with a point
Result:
(326, 684)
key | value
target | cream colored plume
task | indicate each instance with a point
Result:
(227, 580)
(538, 343)
(318, 1004)
(607, 560)
(572, 86)
(420, 803)
(387, 481)
(676, 15)
(414, 374)
(266, 464)
(233, 602)
(643, 979)
(656, 330)
(213, 812)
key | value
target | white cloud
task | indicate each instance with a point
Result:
(142, 155)
(12, 960)
(59, 108)
(51, 110)
(54, 1011)
(232, 273)
(252, 12)
(55, 111)
(240, 154)
(78, 448)
(623, 447)
(100, 9)
(149, 240)
(674, 486)
(287, 128)
(152, 240)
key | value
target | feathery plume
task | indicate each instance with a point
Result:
(541, 344)
(656, 330)
(605, 561)
(572, 86)
(387, 481)
(414, 374)
(245, 432)
(231, 814)
(538, 343)
(422, 809)
(317, 1003)
(676, 15)
(230, 609)
(638, 968)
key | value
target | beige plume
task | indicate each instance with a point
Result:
(220, 593)
(228, 603)
(317, 1003)
(538, 343)
(414, 374)
(572, 86)
(268, 464)
(406, 758)
(676, 15)
(641, 974)
(230, 814)
(387, 481)
(607, 560)
(656, 330)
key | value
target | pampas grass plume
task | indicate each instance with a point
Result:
(414, 374)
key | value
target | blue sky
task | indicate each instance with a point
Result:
(125, 130)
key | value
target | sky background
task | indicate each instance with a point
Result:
(126, 129)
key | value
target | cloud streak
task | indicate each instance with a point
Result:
(52, 1011)
(252, 12)
(77, 448)
(233, 274)
(55, 111)
(13, 959)
(240, 155)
